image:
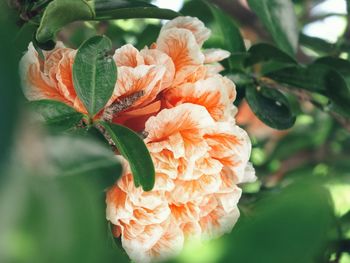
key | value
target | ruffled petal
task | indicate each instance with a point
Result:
(193, 24)
(213, 55)
(128, 56)
(181, 46)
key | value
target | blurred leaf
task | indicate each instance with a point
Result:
(279, 18)
(60, 13)
(338, 91)
(57, 115)
(58, 219)
(304, 137)
(318, 77)
(337, 81)
(342, 66)
(236, 61)
(9, 82)
(123, 9)
(345, 223)
(197, 8)
(271, 107)
(312, 78)
(263, 52)
(316, 44)
(290, 226)
(230, 34)
(133, 148)
(147, 36)
(86, 156)
(94, 73)
(80, 34)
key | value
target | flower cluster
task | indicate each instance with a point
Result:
(173, 93)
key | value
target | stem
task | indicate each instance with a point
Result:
(105, 134)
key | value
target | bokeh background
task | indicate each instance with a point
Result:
(52, 202)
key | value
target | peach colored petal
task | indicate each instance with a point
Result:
(228, 179)
(191, 190)
(230, 200)
(139, 198)
(128, 56)
(164, 162)
(215, 94)
(207, 205)
(231, 146)
(215, 55)
(163, 182)
(155, 216)
(191, 230)
(249, 174)
(194, 169)
(218, 222)
(64, 75)
(193, 24)
(143, 78)
(180, 45)
(118, 205)
(169, 245)
(35, 84)
(184, 213)
(213, 69)
(135, 245)
(179, 130)
(156, 57)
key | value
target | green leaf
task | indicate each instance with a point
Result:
(94, 73)
(279, 18)
(292, 225)
(338, 83)
(312, 78)
(132, 147)
(56, 115)
(123, 9)
(316, 44)
(320, 77)
(263, 52)
(86, 157)
(231, 36)
(9, 82)
(69, 208)
(342, 66)
(271, 107)
(60, 13)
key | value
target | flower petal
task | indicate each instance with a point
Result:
(193, 24)
(181, 46)
(213, 55)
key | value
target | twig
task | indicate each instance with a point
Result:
(107, 136)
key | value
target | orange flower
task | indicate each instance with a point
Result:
(199, 154)
(171, 92)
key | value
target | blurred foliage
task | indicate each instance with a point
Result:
(52, 205)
